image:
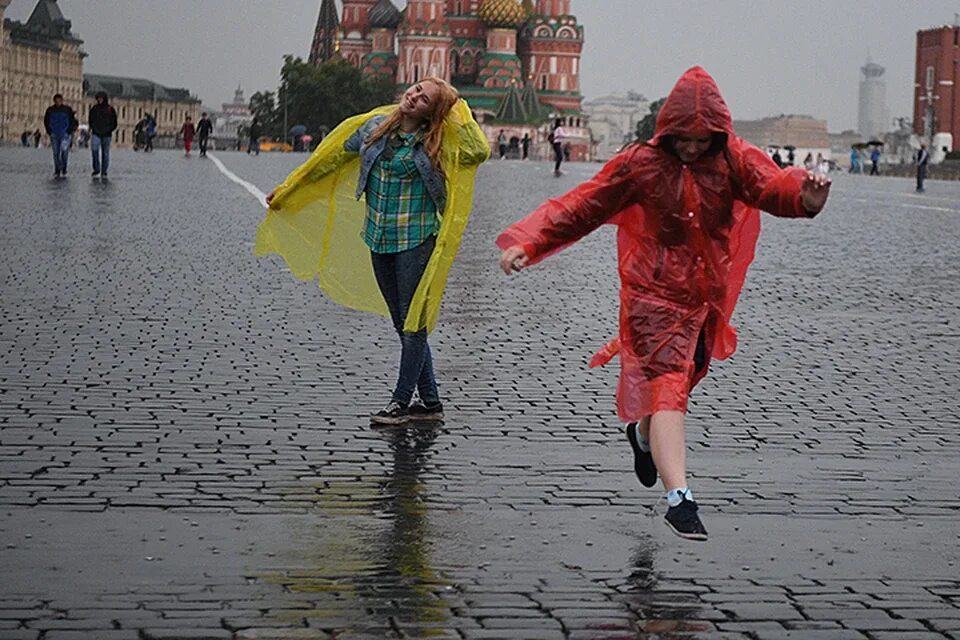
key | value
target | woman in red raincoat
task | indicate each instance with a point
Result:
(686, 205)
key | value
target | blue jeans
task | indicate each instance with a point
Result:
(398, 275)
(100, 145)
(61, 149)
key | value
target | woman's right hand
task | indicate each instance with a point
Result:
(270, 197)
(513, 259)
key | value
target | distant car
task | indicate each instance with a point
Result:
(270, 145)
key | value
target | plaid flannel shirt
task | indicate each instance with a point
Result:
(401, 214)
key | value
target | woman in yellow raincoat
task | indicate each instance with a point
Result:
(414, 163)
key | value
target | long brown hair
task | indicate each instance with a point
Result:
(446, 97)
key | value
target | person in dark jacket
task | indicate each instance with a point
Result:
(204, 129)
(103, 122)
(923, 159)
(60, 123)
(254, 133)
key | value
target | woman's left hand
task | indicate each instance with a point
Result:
(814, 192)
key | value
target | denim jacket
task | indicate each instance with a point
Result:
(432, 179)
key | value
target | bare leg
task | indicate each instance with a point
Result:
(668, 448)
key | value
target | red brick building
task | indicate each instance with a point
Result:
(936, 99)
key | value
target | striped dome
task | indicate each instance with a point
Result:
(502, 14)
(384, 15)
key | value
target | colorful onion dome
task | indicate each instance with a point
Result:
(502, 14)
(384, 15)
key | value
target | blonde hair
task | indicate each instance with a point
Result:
(446, 97)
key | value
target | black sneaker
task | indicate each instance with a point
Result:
(420, 412)
(642, 460)
(393, 413)
(684, 521)
(95, 174)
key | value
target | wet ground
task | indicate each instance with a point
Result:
(185, 449)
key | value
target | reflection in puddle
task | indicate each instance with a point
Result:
(368, 554)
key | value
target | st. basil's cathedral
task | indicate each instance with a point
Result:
(516, 63)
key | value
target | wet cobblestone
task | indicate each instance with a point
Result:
(184, 447)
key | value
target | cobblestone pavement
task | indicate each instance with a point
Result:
(185, 450)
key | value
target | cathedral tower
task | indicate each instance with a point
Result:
(551, 44)
(424, 42)
(325, 35)
(354, 30)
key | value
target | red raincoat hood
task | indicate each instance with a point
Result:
(693, 106)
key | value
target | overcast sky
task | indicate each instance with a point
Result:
(768, 57)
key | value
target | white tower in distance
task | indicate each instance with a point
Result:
(872, 120)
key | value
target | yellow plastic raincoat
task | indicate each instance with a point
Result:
(315, 221)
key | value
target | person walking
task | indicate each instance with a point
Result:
(686, 203)
(151, 133)
(204, 129)
(502, 144)
(102, 119)
(875, 161)
(854, 161)
(923, 159)
(188, 131)
(525, 145)
(414, 162)
(557, 138)
(254, 132)
(60, 123)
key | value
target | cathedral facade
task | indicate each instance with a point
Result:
(488, 49)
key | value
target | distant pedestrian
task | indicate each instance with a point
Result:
(776, 157)
(37, 137)
(25, 139)
(791, 157)
(854, 161)
(557, 138)
(923, 159)
(254, 132)
(140, 134)
(188, 131)
(204, 129)
(150, 133)
(686, 203)
(502, 144)
(875, 161)
(525, 145)
(808, 161)
(60, 123)
(102, 119)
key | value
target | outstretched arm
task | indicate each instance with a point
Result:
(560, 222)
(787, 193)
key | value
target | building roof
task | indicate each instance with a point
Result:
(384, 15)
(45, 28)
(134, 88)
(502, 14)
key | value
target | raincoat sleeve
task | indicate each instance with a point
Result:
(562, 221)
(766, 186)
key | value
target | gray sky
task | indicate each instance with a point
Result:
(768, 57)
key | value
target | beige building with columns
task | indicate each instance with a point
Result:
(135, 98)
(38, 59)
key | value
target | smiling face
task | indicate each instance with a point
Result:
(418, 101)
(689, 148)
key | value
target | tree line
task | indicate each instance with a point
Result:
(318, 97)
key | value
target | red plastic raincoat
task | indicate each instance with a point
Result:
(686, 237)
